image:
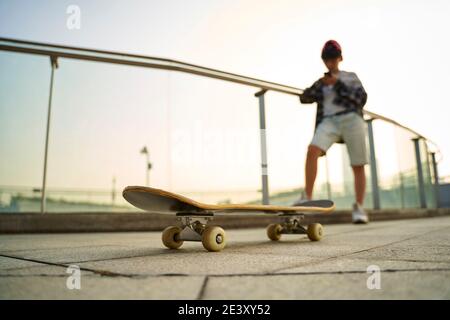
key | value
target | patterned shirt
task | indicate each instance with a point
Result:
(349, 93)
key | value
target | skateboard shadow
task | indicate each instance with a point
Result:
(268, 243)
(241, 245)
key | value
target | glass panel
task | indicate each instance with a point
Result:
(24, 93)
(387, 164)
(102, 117)
(214, 142)
(290, 128)
(200, 134)
(408, 183)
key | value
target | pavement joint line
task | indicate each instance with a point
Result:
(59, 248)
(131, 257)
(407, 260)
(202, 291)
(38, 275)
(95, 260)
(359, 251)
(322, 272)
(99, 272)
(233, 275)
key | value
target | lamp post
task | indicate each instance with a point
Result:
(113, 193)
(148, 165)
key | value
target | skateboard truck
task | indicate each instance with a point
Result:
(291, 225)
(194, 228)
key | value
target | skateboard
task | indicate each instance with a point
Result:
(194, 217)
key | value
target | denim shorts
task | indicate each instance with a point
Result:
(349, 127)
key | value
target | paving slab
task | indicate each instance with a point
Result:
(97, 287)
(199, 263)
(346, 265)
(393, 285)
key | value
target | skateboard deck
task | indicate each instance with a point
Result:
(161, 201)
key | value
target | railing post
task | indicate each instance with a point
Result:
(373, 167)
(402, 190)
(262, 131)
(436, 179)
(54, 65)
(423, 202)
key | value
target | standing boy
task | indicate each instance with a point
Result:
(340, 98)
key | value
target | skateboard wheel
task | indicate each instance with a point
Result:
(214, 238)
(274, 231)
(170, 237)
(315, 231)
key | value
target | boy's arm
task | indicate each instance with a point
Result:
(310, 95)
(352, 92)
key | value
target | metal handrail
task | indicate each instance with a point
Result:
(52, 50)
(137, 60)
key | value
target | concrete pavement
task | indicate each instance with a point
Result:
(413, 257)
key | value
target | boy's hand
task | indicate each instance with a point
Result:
(329, 79)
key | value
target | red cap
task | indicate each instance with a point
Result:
(331, 49)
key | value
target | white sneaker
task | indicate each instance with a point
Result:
(359, 215)
(300, 200)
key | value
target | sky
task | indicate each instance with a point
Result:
(203, 134)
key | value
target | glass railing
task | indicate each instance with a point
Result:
(202, 136)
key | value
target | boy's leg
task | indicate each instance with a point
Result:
(312, 156)
(360, 183)
(354, 134)
(325, 135)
